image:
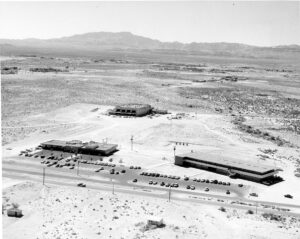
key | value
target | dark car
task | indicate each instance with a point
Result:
(112, 171)
(150, 182)
(81, 185)
(253, 194)
(227, 192)
(206, 189)
(162, 184)
(123, 171)
(134, 180)
(240, 185)
(186, 178)
(288, 196)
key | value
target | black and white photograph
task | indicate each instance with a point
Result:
(150, 119)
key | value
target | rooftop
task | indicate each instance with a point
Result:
(229, 162)
(77, 143)
(133, 105)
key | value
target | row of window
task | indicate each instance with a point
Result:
(126, 111)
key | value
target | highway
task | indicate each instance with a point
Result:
(122, 183)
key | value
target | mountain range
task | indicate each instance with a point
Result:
(126, 41)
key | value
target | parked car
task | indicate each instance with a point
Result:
(206, 189)
(188, 187)
(227, 192)
(162, 184)
(150, 182)
(240, 185)
(134, 180)
(186, 178)
(154, 183)
(253, 194)
(193, 187)
(112, 171)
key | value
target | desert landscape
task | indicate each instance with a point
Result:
(237, 107)
(150, 119)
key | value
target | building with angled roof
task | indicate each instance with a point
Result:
(77, 146)
(226, 165)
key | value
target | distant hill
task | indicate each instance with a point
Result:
(122, 41)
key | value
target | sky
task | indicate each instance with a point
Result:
(255, 23)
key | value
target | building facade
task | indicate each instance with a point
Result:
(132, 110)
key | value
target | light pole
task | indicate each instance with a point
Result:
(113, 186)
(44, 174)
(78, 167)
(174, 150)
(170, 194)
(131, 139)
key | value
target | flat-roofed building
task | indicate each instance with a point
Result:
(132, 110)
(77, 146)
(226, 165)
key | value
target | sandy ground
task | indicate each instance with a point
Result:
(64, 212)
(154, 143)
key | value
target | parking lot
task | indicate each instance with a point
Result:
(106, 167)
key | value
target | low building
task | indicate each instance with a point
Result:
(132, 110)
(14, 212)
(226, 165)
(77, 146)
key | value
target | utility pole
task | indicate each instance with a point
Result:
(44, 175)
(113, 186)
(256, 207)
(131, 139)
(78, 167)
(174, 150)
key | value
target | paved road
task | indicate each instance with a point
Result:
(32, 171)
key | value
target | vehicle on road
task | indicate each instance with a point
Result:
(134, 180)
(253, 194)
(206, 189)
(288, 196)
(81, 185)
